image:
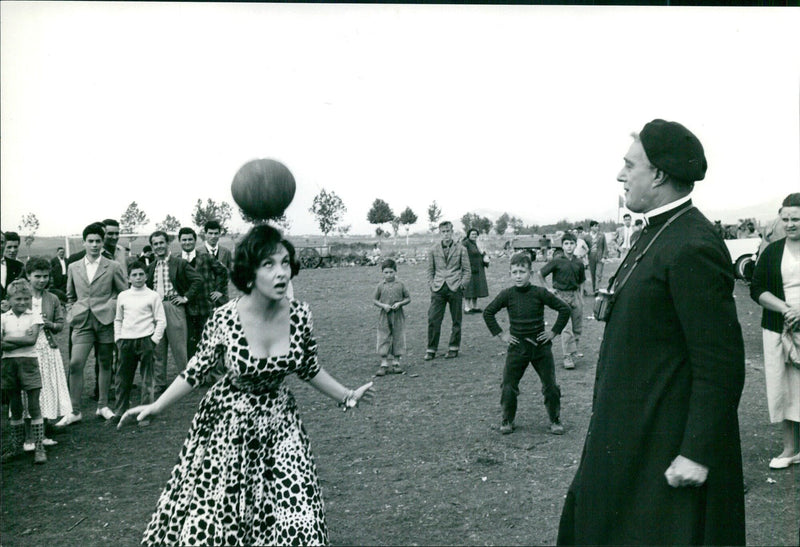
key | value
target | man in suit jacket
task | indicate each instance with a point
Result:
(212, 230)
(623, 235)
(58, 271)
(10, 268)
(178, 284)
(448, 271)
(598, 251)
(110, 247)
(93, 284)
(111, 253)
(663, 437)
(215, 287)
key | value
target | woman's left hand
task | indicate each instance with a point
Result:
(365, 392)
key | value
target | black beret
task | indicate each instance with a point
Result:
(674, 149)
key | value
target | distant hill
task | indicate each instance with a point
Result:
(763, 212)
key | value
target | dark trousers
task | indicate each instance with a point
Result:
(134, 352)
(517, 360)
(439, 299)
(596, 271)
(194, 331)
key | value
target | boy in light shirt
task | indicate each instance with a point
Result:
(138, 327)
(20, 369)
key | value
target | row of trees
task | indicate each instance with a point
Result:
(328, 210)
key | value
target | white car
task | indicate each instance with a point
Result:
(743, 255)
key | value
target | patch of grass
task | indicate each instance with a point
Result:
(424, 465)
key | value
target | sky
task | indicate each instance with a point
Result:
(488, 109)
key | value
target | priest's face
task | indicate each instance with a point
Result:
(637, 178)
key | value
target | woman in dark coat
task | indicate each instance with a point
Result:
(776, 287)
(476, 288)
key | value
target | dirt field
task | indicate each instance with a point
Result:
(425, 465)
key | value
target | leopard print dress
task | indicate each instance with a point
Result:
(245, 475)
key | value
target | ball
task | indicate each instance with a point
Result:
(263, 188)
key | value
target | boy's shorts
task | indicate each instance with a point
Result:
(20, 373)
(93, 331)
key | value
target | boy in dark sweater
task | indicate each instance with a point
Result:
(528, 342)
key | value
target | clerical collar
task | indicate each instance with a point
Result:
(655, 215)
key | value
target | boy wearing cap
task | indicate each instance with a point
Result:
(568, 277)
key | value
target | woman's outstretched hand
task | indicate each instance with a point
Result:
(365, 393)
(136, 414)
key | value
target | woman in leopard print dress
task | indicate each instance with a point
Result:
(246, 475)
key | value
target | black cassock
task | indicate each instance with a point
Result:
(669, 378)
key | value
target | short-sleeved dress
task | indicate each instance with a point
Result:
(391, 324)
(246, 475)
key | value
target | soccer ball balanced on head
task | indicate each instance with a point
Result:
(263, 189)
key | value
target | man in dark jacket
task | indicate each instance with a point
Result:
(661, 462)
(215, 287)
(178, 284)
(11, 268)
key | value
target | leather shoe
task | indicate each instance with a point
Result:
(69, 419)
(105, 413)
(556, 428)
(506, 427)
(451, 354)
(429, 356)
(784, 462)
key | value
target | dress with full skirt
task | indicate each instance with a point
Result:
(54, 400)
(246, 475)
(782, 380)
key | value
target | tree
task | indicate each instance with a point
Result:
(474, 220)
(283, 223)
(501, 224)
(132, 220)
(344, 230)
(170, 225)
(380, 212)
(434, 214)
(407, 219)
(328, 209)
(516, 224)
(395, 227)
(221, 212)
(29, 225)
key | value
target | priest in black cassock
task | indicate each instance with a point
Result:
(662, 463)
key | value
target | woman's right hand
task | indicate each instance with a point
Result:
(137, 413)
(791, 316)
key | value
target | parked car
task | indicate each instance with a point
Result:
(743, 255)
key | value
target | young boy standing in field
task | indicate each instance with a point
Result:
(390, 296)
(568, 277)
(20, 369)
(528, 342)
(138, 327)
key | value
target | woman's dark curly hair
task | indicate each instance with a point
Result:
(259, 243)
